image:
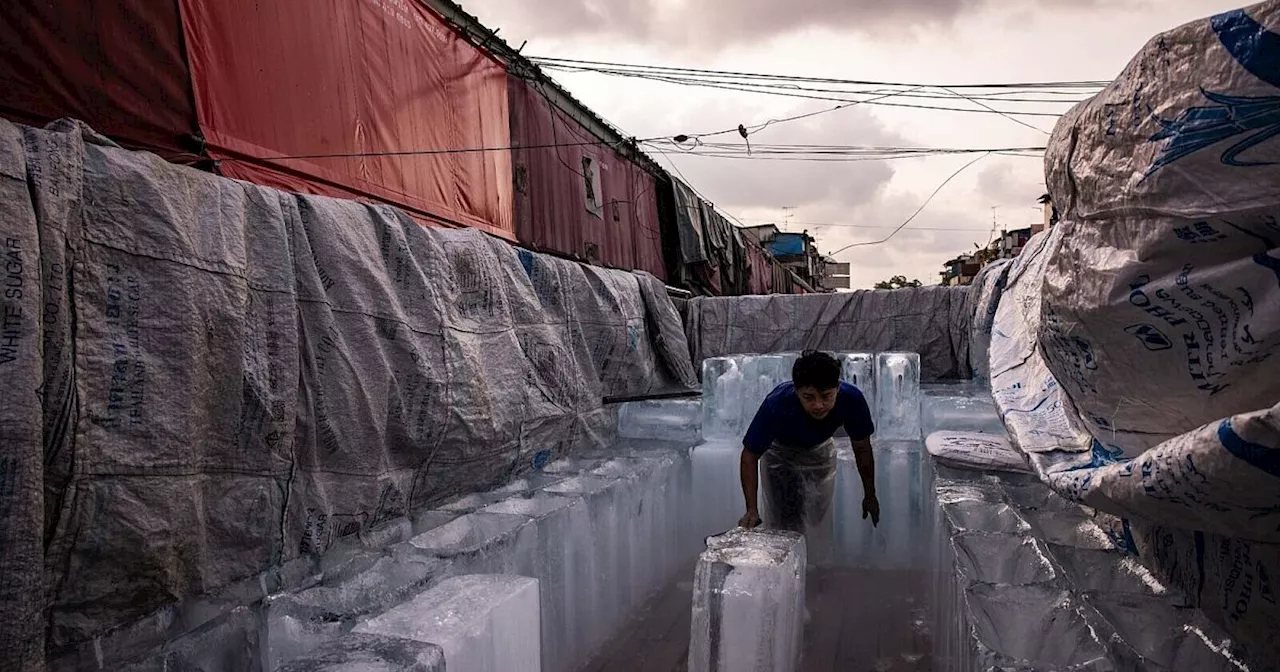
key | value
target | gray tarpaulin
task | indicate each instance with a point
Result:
(1134, 349)
(933, 321)
(207, 378)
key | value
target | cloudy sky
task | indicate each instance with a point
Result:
(918, 41)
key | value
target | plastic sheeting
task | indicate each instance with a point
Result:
(1133, 351)
(932, 321)
(357, 80)
(232, 377)
(552, 212)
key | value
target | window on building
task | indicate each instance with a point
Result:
(591, 183)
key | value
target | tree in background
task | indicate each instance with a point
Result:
(897, 282)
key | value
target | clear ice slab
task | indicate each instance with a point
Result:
(717, 486)
(677, 420)
(370, 653)
(558, 522)
(748, 603)
(964, 413)
(858, 369)
(483, 623)
(898, 396)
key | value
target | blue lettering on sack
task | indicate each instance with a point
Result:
(1266, 458)
(1257, 118)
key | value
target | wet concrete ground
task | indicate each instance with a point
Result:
(862, 621)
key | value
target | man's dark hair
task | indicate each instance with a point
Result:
(816, 369)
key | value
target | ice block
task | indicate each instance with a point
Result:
(975, 413)
(722, 398)
(678, 420)
(898, 396)
(858, 369)
(748, 603)
(557, 521)
(371, 653)
(596, 558)
(717, 488)
(493, 543)
(483, 623)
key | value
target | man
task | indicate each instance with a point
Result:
(790, 438)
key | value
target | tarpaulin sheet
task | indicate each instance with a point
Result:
(552, 212)
(234, 377)
(1133, 354)
(384, 80)
(119, 66)
(929, 320)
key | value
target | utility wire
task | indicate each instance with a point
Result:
(914, 214)
(550, 61)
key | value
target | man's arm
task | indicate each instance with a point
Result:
(866, 461)
(758, 439)
(749, 472)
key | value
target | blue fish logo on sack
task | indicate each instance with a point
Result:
(1256, 118)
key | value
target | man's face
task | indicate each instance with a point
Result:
(817, 403)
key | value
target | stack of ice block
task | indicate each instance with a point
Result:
(633, 533)
(748, 603)
(557, 519)
(1029, 580)
(903, 478)
(733, 387)
(482, 623)
(677, 420)
(898, 396)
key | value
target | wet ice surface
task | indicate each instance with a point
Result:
(1038, 583)
(748, 603)
(482, 623)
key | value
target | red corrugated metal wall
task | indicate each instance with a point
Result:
(291, 78)
(118, 66)
(761, 265)
(551, 203)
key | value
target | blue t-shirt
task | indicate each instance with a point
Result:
(782, 418)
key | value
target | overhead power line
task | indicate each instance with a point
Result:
(916, 213)
(550, 61)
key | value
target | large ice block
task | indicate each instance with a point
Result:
(903, 481)
(961, 413)
(484, 623)
(859, 369)
(489, 543)
(678, 420)
(898, 396)
(760, 374)
(748, 603)
(596, 559)
(231, 642)
(557, 520)
(370, 653)
(722, 398)
(297, 623)
(717, 487)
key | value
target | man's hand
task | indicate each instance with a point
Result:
(871, 507)
(751, 519)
